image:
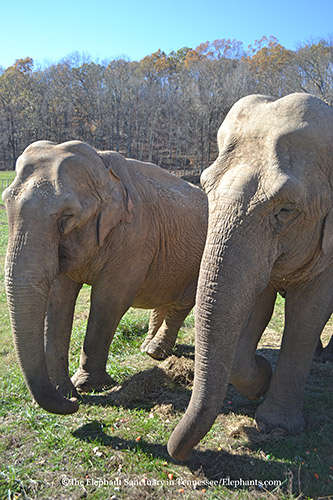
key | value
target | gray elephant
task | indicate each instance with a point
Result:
(130, 229)
(270, 230)
(325, 354)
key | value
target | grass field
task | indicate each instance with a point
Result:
(115, 446)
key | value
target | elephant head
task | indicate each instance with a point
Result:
(61, 206)
(270, 223)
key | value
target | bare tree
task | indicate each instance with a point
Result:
(315, 63)
(166, 108)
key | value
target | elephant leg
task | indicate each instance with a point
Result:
(106, 310)
(251, 373)
(58, 328)
(161, 345)
(155, 321)
(327, 354)
(306, 313)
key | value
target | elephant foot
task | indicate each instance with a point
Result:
(145, 344)
(157, 351)
(278, 423)
(252, 386)
(87, 382)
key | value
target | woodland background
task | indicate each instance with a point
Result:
(165, 108)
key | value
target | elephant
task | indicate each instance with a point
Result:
(270, 231)
(131, 230)
(325, 354)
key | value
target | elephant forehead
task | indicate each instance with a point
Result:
(37, 177)
(44, 187)
(40, 161)
(71, 155)
(258, 137)
(244, 183)
(299, 117)
(296, 151)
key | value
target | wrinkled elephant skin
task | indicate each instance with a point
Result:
(270, 231)
(130, 229)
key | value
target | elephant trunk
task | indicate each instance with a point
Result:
(28, 280)
(226, 293)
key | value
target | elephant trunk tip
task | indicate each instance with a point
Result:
(196, 422)
(64, 407)
(74, 406)
(178, 449)
(54, 402)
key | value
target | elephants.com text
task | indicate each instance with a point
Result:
(124, 482)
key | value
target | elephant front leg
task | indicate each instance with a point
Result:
(251, 373)
(105, 314)
(161, 345)
(58, 327)
(306, 313)
(155, 321)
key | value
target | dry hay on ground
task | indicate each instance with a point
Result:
(157, 383)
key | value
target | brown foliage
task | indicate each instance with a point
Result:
(166, 108)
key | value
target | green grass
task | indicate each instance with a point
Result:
(5, 178)
(7, 174)
(115, 445)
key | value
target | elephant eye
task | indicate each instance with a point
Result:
(64, 222)
(285, 213)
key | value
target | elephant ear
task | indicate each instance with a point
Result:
(327, 241)
(116, 207)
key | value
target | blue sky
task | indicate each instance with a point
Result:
(107, 29)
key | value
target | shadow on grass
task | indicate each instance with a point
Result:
(169, 385)
(232, 470)
(215, 467)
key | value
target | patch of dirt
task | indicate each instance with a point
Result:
(179, 370)
(164, 410)
(155, 384)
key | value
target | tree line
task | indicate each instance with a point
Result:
(165, 108)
